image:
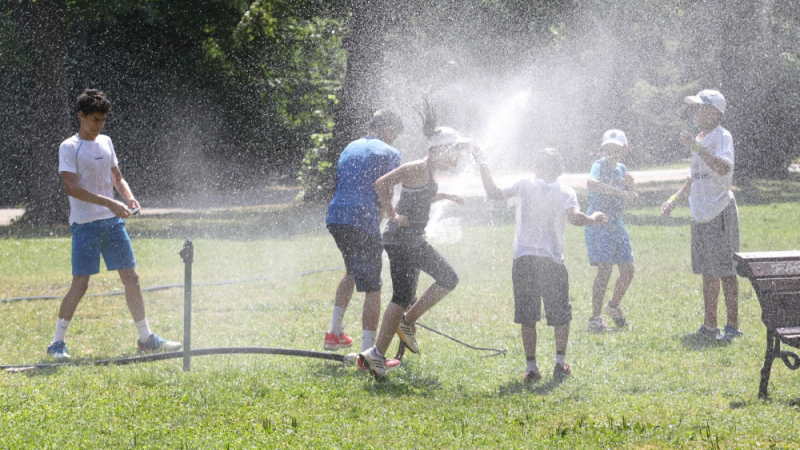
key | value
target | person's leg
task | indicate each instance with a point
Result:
(626, 271)
(370, 316)
(426, 301)
(430, 261)
(599, 287)
(710, 299)
(562, 338)
(391, 319)
(133, 293)
(529, 340)
(730, 289)
(76, 292)
(344, 292)
(135, 301)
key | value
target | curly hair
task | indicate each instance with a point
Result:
(91, 101)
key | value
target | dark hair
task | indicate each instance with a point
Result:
(428, 115)
(91, 101)
(548, 162)
(383, 119)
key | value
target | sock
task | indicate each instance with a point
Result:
(144, 330)
(532, 367)
(561, 358)
(61, 329)
(368, 339)
(336, 320)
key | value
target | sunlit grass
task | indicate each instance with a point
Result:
(639, 388)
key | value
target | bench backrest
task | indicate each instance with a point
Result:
(776, 279)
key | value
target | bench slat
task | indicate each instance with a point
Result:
(774, 285)
(765, 264)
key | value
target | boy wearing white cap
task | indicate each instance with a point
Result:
(610, 186)
(715, 218)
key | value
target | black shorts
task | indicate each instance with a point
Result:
(362, 255)
(405, 262)
(538, 279)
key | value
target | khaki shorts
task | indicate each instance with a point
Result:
(715, 242)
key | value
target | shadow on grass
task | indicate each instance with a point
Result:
(518, 387)
(697, 343)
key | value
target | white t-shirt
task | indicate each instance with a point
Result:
(92, 162)
(711, 192)
(541, 217)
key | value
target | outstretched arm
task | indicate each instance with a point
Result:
(577, 218)
(598, 186)
(492, 191)
(452, 197)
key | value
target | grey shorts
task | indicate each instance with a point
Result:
(538, 280)
(715, 242)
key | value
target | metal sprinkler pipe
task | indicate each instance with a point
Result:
(187, 253)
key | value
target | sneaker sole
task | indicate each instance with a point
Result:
(333, 348)
(402, 336)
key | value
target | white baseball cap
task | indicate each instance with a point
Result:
(708, 97)
(446, 136)
(615, 137)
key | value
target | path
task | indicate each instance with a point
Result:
(466, 185)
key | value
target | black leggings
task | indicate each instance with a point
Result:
(405, 262)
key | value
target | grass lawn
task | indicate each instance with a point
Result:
(644, 387)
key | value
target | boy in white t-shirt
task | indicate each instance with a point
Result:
(543, 206)
(715, 218)
(90, 172)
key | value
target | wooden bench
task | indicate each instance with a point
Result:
(776, 280)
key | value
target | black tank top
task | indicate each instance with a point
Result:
(414, 203)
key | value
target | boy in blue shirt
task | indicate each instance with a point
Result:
(353, 220)
(610, 186)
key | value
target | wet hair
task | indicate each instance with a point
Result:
(383, 119)
(548, 162)
(91, 101)
(429, 120)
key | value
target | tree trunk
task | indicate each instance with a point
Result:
(363, 85)
(42, 27)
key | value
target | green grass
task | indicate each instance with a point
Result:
(640, 388)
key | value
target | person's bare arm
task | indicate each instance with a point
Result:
(577, 218)
(716, 163)
(74, 189)
(409, 174)
(599, 186)
(452, 197)
(683, 192)
(124, 190)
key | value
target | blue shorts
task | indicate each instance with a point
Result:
(107, 237)
(608, 244)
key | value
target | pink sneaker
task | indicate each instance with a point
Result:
(334, 342)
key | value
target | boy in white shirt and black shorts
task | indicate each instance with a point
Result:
(543, 207)
(89, 169)
(715, 218)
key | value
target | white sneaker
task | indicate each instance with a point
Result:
(407, 332)
(598, 325)
(375, 363)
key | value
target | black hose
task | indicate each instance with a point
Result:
(195, 352)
